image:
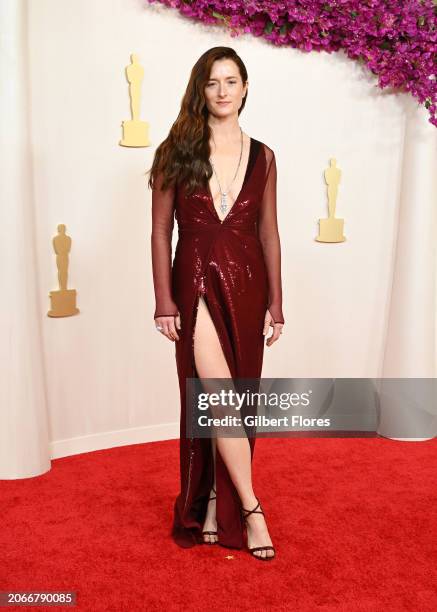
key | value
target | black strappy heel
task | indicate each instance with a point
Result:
(256, 548)
(210, 532)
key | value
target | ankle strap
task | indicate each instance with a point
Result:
(248, 512)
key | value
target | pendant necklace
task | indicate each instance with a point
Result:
(223, 194)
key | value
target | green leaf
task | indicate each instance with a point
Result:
(386, 44)
(218, 16)
(269, 27)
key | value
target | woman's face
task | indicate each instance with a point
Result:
(224, 91)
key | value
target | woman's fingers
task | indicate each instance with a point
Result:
(277, 330)
(168, 327)
(172, 329)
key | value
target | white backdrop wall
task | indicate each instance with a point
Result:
(362, 308)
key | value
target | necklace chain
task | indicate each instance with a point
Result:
(223, 194)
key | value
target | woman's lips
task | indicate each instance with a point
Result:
(223, 103)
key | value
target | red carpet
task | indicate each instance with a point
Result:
(354, 522)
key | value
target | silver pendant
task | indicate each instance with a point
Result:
(223, 204)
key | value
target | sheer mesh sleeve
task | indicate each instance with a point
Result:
(269, 236)
(161, 244)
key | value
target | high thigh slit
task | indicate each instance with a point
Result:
(233, 264)
(226, 522)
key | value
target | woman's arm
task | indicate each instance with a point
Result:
(269, 237)
(161, 243)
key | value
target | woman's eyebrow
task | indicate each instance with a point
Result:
(229, 77)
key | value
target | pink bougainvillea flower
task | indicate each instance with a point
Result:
(395, 39)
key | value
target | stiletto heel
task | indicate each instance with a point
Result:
(210, 532)
(256, 548)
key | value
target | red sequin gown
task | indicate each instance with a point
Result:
(236, 265)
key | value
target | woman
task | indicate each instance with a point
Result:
(224, 291)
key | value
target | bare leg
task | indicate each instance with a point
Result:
(211, 363)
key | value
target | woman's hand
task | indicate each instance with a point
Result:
(277, 328)
(167, 326)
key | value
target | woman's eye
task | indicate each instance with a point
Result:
(230, 82)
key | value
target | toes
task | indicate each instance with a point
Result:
(210, 538)
(264, 553)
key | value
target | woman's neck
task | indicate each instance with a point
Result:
(225, 130)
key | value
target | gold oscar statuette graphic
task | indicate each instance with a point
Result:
(63, 301)
(135, 132)
(331, 229)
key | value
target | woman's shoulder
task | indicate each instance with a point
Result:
(268, 151)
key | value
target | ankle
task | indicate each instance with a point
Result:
(249, 501)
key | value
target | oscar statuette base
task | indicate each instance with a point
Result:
(63, 303)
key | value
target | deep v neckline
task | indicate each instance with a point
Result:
(246, 174)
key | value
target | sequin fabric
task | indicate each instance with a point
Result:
(235, 264)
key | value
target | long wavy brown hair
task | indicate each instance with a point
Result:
(183, 157)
